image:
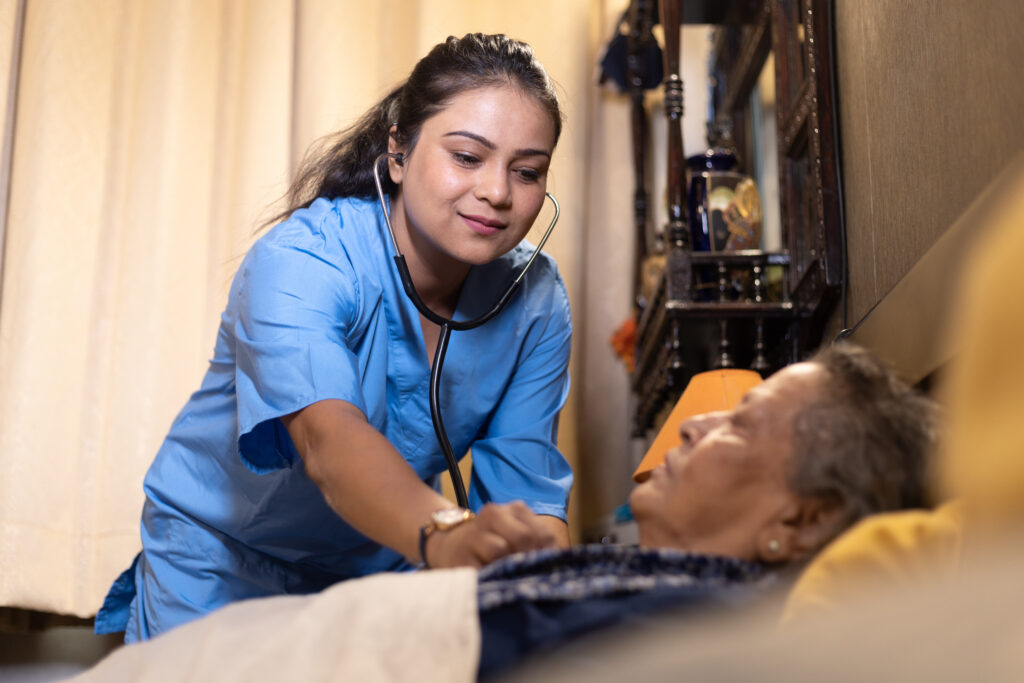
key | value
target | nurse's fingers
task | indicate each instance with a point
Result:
(518, 525)
(488, 546)
(470, 544)
(497, 530)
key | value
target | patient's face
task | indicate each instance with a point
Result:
(723, 488)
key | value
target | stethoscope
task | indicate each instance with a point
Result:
(447, 325)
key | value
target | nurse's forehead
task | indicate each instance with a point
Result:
(486, 142)
(499, 109)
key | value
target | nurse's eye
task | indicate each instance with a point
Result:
(530, 175)
(464, 159)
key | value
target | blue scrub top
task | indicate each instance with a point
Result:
(317, 311)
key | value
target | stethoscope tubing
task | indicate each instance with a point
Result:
(447, 325)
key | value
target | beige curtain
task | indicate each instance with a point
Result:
(149, 138)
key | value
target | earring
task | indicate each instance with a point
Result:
(773, 546)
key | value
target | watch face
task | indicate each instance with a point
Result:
(449, 517)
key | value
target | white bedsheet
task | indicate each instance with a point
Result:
(420, 626)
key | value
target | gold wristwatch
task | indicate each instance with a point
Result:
(441, 520)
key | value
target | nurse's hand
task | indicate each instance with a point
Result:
(497, 530)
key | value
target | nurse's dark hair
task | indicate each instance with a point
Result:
(339, 165)
(864, 443)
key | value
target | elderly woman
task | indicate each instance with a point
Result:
(810, 451)
(813, 449)
(816, 447)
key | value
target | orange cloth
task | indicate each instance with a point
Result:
(623, 341)
(706, 392)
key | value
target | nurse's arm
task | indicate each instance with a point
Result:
(557, 527)
(371, 486)
(363, 478)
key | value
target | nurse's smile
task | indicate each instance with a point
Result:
(483, 226)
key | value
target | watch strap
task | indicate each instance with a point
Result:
(425, 532)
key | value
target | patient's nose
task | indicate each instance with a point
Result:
(689, 433)
(695, 428)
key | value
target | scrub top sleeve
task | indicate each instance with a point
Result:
(296, 306)
(517, 458)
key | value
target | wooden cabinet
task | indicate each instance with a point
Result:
(699, 310)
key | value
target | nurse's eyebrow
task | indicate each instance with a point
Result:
(526, 152)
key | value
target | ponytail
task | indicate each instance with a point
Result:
(341, 164)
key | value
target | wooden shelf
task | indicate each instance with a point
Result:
(730, 309)
(720, 12)
(745, 256)
(702, 313)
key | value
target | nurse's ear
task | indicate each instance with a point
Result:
(396, 163)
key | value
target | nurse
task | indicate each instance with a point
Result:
(307, 456)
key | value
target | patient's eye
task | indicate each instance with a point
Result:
(739, 419)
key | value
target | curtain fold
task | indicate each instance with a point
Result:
(12, 20)
(151, 139)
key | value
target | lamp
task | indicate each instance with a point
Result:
(706, 392)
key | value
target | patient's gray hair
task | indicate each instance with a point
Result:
(866, 442)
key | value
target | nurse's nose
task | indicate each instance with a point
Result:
(493, 185)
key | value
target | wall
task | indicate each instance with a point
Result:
(607, 453)
(930, 104)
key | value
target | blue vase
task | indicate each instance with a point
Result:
(703, 171)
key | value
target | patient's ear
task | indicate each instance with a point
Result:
(799, 530)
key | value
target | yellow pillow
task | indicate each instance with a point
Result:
(893, 549)
(980, 461)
